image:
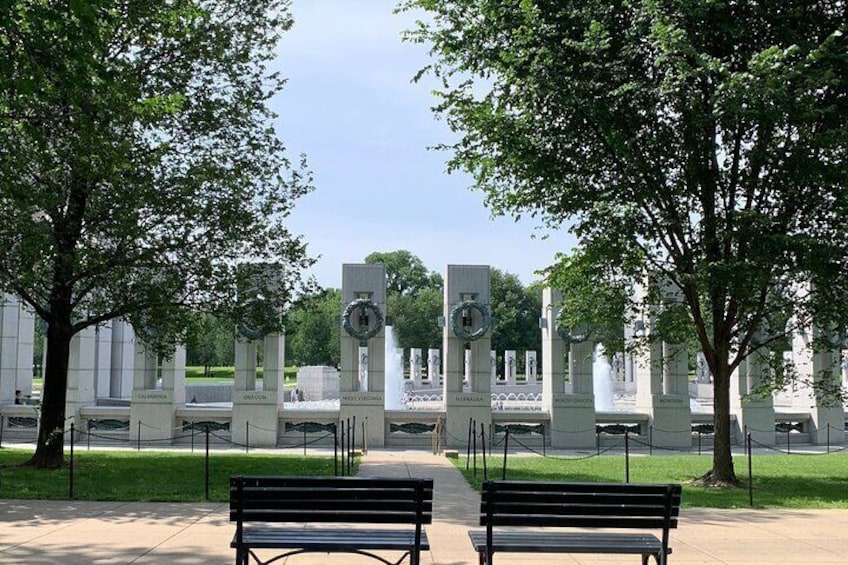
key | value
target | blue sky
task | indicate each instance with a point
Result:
(365, 127)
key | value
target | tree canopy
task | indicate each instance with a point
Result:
(139, 167)
(704, 141)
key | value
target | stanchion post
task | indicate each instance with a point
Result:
(483, 444)
(468, 444)
(138, 437)
(353, 436)
(474, 440)
(193, 430)
(88, 439)
(349, 449)
(828, 437)
(788, 440)
(2, 425)
(544, 454)
(626, 456)
(506, 448)
(342, 445)
(651, 439)
(206, 466)
(750, 473)
(597, 441)
(336, 451)
(247, 437)
(304, 438)
(71, 467)
(699, 442)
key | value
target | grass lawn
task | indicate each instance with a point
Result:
(147, 476)
(780, 481)
(226, 374)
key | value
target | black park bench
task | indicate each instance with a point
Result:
(535, 505)
(272, 513)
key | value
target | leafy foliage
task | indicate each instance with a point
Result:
(138, 166)
(702, 141)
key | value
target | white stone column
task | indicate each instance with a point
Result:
(255, 419)
(434, 366)
(364, 281)
(9, 326)
(122, 364)
(752, 413)
(80, 374)
(827, 421)
(572, 414)
(531, 367)
(464, 284)
(415, 366)
(662, 388)
(510, 366)
(103, 361)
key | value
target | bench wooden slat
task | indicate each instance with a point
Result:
(549, 504)
(258, 502)
(566, 542)
(344, 540)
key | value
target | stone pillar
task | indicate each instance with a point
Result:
(466, 285)
(662, 388)
(17, 335)
(103, 361)
(814, 365)
(434, 366)
(122, 361)
(510, 366)
(572, 414)
(255, 419)
(415, 367)
(153, 409)
(531, 367)
(80, 374)
(752, 412)
(364, 282)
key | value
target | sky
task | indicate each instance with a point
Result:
(350, 105)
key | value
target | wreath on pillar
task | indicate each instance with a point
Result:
(576, 334)
(456, 316)
(363, 305)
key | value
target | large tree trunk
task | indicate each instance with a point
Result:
(722, 472)
(49, 451)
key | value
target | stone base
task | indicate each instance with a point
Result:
(758, 419)
(460, 407)
(572, 421)
(153, 415)
(671, 419)
(368, 408)
(827, 426)
(256, 418)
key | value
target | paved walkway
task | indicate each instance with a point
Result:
(70, 533)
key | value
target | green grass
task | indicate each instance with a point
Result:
(226, 374)
(146, 476)
(780, 481)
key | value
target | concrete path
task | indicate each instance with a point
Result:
(70, 533)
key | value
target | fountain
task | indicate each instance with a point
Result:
(394, 372)
(602, 380)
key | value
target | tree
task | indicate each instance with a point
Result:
(210, 342)
(312, 329)
(415, 318)
(515, 311)
(702, 141)
(138, 167)
(405, 272)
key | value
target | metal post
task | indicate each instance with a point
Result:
(651, 439)
(699, 442)
(788, 431)
(468, 444)
(828, 437)
(626, 456)
(2, 425)
(750, 473)
(353, 436)
(474, 440)
(138, 438)
(543, 441)
(343, 448)
(88, 437)
(206, 464)
(193, 429)
(483, 443)
(506, 448)
(335, 451)
(304, 438)
(71, 467)
(247, 437)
